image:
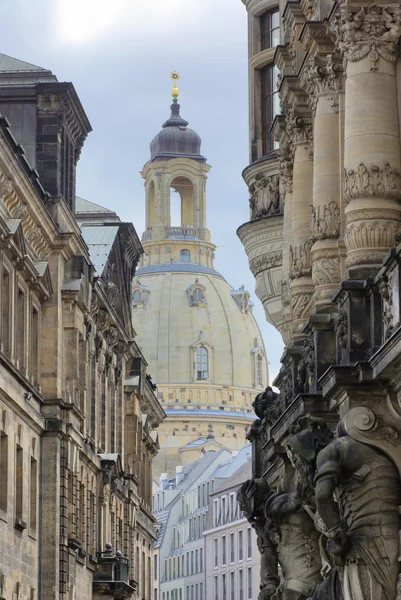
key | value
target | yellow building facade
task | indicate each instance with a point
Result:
(202, 342)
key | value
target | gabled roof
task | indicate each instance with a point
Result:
(100, 240)
(85, 206)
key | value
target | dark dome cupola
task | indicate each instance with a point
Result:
(176, 139)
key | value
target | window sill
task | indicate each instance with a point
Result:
(20, 524)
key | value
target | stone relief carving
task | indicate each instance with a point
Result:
(371, 234)
(357, 493)
(286, 167)
(306, 366)
(267, 405)
(367, 181)
(371, 31)
(266, 261)
(300, 129)
(301, 304)
(285, 292)
(385, 289)
(265, 196)
(341, 328)
(322, 79)
(326, 270)
(286, 385)
(300, 260)
(325, 221)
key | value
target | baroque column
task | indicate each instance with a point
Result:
(299, 129)
(368, 36)
(322, 76)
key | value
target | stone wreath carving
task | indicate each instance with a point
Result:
(371, 180)
(371, 32)
(300, 260)
(265, 196)
(325, 221)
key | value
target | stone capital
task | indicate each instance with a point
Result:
(299, 128)
(371, 32)
(323, 76)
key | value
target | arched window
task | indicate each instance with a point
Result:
(259, 370)
(202, 363)
(185, 256)
(197, 295)
(137, 296)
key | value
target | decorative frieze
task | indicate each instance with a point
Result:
(300, 260)
(266, 261)
(368, 181)
(265, 196)
(371, 31)
(325, 221)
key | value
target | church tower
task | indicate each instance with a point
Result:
(204, 348)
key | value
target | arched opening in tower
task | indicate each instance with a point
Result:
(181, 202)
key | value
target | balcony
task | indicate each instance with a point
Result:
(184, 231)
(112, 576)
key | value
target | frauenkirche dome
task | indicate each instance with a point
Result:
(203, 345)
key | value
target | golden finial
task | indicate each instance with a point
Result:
(175, 77)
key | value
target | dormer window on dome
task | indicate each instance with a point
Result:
(140, 295)
(196, 294)
(242, 299)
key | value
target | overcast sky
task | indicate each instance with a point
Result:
(119, 55)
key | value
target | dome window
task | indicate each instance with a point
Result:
(185, 256)
(258, 361)
(140, 295)
(196, 294)
(202, 363)
(259, 369)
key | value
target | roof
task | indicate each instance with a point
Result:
(92, 213)
(178, 268)
(99, 240)
(200, 442)
(84, 206)
(230, 467)
(9, 64)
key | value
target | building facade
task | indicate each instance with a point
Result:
(322, 446)
(232, 556)
(188, 526)
(78, 414)
(202, 342)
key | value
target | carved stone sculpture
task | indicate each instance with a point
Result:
(265, 196)
(266, 403)
(288, 538)
(357, 495)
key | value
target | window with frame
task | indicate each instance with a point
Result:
(216, 587)
(185, 256)
(197, 295)
(270, 29)
(240, 584)
(232, 557)
(249, 583)
(249, 542)
(259, 369)
(137, 296)
(232, 585)
(270, 105)
(240, 547)
(202, 363)
(223, 550)
(224, 586)
(215, 553)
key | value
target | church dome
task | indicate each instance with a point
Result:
(176, 139)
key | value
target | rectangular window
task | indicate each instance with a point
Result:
(20, 329)
(215, 513)
(19, 479)
(155, 567)
(270, 29)
(155, 594)
(224, 586)
(3, 470)
(196, 560)
(223, 510)
(223, 550)
(6, 312)
(33, 493)
(201, 591)
(216, 587)
(232, 585)
(249, 583)
(240, 547)
(192, 562)
(196, 592)
(232, 548)
(35, 345)
(201, 560)
(240, 584)
(187, 573)
(232, 509)
(215, 553)
(270, 105)
(249, 542)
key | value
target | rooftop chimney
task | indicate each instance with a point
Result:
(179, 474)
(164, 481)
